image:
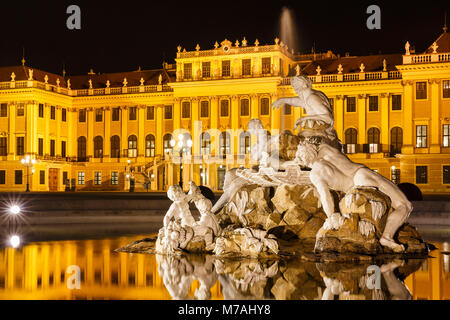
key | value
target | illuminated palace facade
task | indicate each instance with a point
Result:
(104, 131)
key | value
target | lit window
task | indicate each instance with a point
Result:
(97, 177)
(114, 178)
(132, 146)
(80, 178)
(446, 135)
(351, 136)
(150, 145)
(421, 136)
(373, 140)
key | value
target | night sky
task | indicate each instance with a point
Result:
(122, 35)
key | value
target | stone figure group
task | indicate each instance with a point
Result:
(312, 158)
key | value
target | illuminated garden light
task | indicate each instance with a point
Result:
(14, 209)
(14, 241)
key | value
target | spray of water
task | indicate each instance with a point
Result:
(288, 29)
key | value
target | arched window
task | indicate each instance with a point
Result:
(205, 143)
(186, 109)
(264, 108)
(98, 147)
(166, 143)
(244, 142)
(204, 109)
(373, 138)
(81, 148)
(396, 140)
(132, 146)
(245, 107)
(150, 145)
(115, 147)
(351, 138)
(224, 142)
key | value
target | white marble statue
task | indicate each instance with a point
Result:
(208, 226)
(333, 170)
(179, 209)
(315, 103)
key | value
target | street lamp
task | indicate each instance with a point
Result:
(28, 162)
(182, 146)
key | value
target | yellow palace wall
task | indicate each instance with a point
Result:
(434, 111)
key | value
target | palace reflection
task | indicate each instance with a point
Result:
(38, 271)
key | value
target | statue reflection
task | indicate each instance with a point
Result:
(246, 279)
(178, 273)
(354, 282)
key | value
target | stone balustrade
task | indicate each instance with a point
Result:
(82, 92)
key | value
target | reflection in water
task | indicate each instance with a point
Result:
(38, 271)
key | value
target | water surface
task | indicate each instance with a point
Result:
(37, 269)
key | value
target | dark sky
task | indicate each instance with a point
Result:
(122, 35)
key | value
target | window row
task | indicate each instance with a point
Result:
(225, 71)
(20, 111)
(132, 113)
(114, 179)
(422, 174)
(132, 150)
(373, 101)
(205, 143)
(373, 140)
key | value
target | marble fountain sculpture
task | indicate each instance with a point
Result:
(305, 198)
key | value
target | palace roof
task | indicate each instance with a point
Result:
(443, 43)
(352, 64)
(82, 81)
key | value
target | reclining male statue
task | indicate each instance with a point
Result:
(331, 169)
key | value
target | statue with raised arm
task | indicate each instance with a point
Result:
(314, 102)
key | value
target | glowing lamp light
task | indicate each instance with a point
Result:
(14, 241)
(152, 176)
(180, 144)
(180, 137)
(14, 209)
(172, 143)
(23, 161)
(189, 143)
(393, 168)
(128, 176)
